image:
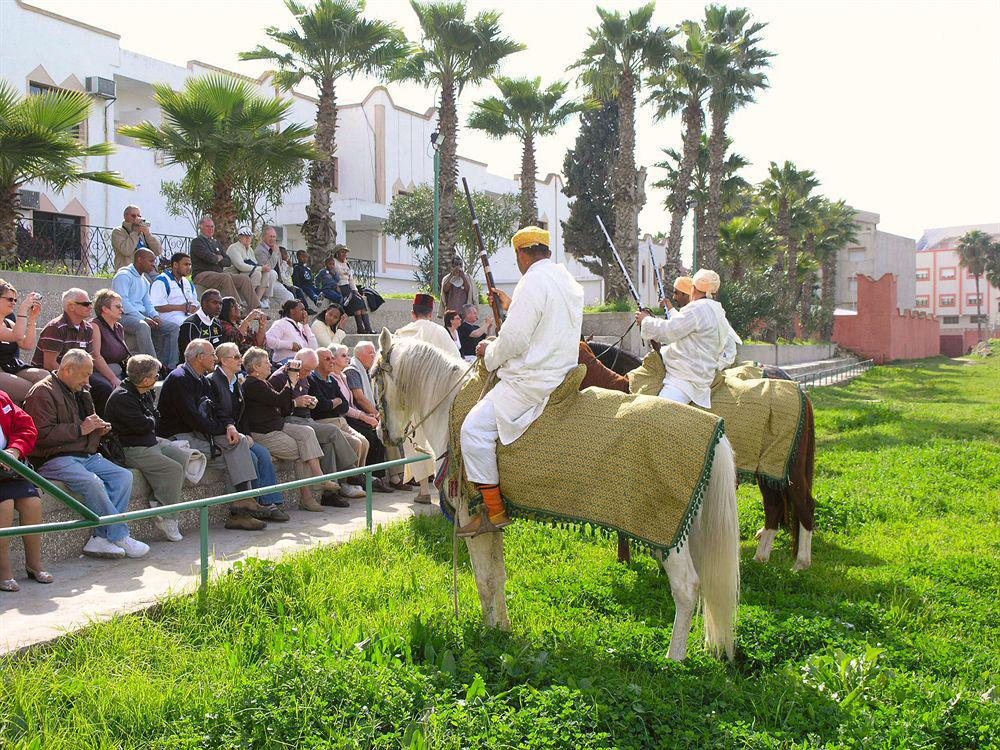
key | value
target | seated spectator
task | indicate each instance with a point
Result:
(362, 420)
(71, 330)
(110, 350)
(327, 282)
(17, 331)
(188, 412)
(208, 262)
(244, 332)
(326, 326)
(354, 301)
(17, 439)
(338, 455)
(243, 261)
(264, 418)
(227, 392)
(69, 434)
(452, 320)
(331, 406)
(290, 332)
(172, 292)
(284, 267)
(153, 335)
(302, 276)
(470, 333)
(204, 323)
(133, 234)
(269, 254)
(132, 414)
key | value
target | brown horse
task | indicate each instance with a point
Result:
(794, 505)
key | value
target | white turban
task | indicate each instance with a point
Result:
(706, 281)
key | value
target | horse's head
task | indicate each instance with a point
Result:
(391, 407)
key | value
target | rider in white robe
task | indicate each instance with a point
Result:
(536, 348)
(699, 342)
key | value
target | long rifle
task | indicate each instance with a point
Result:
(656, 273)
(621, 265)
(483, 257)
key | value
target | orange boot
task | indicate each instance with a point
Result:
(492, 517)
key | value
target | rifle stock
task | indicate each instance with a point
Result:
(483, 257)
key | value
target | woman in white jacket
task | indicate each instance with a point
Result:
(244, 262)
(290, 332)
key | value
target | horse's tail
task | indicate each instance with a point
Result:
(716, 552)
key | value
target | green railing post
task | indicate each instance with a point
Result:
(203, 532)
(368, 500)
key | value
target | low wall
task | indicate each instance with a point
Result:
(882, 332)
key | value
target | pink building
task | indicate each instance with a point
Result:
(948, 291)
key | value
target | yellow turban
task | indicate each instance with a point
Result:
(530, 236)
(684, 284)
(706, 281)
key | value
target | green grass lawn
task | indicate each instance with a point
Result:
(891, 640)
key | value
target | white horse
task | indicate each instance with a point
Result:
(418, 384)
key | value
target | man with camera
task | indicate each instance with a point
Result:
(133, 234)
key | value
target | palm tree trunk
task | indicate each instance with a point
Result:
(448, 129)
(624, 181)
(694, 121)
(224, 212)
(979, 313)
(828, 299)
(529, 209)
(708, 255)
(319, 229)
(8, 225)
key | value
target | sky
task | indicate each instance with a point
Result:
(895, 105)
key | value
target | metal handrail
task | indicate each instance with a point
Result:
(814, 378)
(91, 519)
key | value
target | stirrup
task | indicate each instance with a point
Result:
(485, 526)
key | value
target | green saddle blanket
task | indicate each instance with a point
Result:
(605, 459)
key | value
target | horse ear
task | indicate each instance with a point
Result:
(385, 343)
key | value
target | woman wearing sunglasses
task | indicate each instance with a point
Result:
(17, 331)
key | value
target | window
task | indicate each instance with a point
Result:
(852, 285)
(950, 320)
(947, 273)
(856, 255)
(642, 270)
(946, 300)
(923, 274)
(973, 299)
(979, 319)
(542, 224)
(923, 301)
(36, 89)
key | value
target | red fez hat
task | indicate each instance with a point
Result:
(423, 300)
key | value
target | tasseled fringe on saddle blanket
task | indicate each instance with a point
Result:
(599, 460)
(764, 418)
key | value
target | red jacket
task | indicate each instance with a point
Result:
(17, 425)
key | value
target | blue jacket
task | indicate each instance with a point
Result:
(134, 291)
(327, 280)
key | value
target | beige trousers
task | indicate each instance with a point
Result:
(358, 441)
(297, 442)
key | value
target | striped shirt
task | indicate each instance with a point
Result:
(60, 336)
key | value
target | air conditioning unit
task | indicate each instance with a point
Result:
(30, 199)
(102, 87)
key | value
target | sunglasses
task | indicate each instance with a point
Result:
(88, 303)
(12, 300)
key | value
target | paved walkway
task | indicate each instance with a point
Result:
(86, 590)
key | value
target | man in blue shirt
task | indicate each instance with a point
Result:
(154, 336)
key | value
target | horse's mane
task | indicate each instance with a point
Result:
(615, 358)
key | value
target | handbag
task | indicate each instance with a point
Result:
(111, 448)
(373, 298)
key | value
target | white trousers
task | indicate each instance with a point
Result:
(479, 444)
(672, 393)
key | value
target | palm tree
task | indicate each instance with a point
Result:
(333, 39)
(453, 52)
(733, 63)
(526, 110)
(745, 243)
(682, 87)
(612, 67)
(39, 143)
(838, 229)
(973, 253)
(221, 130)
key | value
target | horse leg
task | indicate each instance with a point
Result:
(801, 492)
(774, 508)
(486, 555)
(684, 588)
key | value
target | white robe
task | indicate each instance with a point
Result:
(699, 342)
(538, 344)
(431, 332)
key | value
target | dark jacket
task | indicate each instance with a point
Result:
(302, 275)
(58, 414)
(228, 401)
(194, 327)
(204, 252)
(280, 379)
(326, 392)
(132, 415)
(186, 405)
(266, 408)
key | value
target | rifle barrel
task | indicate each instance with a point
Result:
(484, 258)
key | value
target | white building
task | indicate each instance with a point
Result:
(382, 149)
(875, 254)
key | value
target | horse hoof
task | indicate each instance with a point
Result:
(761, 558)
(801, 565)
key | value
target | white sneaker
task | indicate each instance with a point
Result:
(132, 547)
(168, 527)
(351, 490)
(98, 546)
(265, 305)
